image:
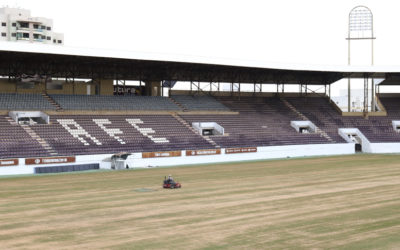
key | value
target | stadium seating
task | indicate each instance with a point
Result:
(261, 122)
(94, 102)
(150, 133)
(375, 128)
(14, 101)
(15, 142)
(199, 103)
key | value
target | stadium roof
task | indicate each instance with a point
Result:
(63, 61)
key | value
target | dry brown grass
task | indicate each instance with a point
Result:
(337, 202)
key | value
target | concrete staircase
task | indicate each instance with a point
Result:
(35, 136)
(178, 104)
(183, 122)
(305, 118)
(52, 102)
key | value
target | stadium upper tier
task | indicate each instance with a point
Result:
(12, 101)
(92, 102)
(189, 102)
(119, 103)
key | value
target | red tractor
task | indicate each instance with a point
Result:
(170, 183)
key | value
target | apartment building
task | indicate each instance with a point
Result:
(17, 25)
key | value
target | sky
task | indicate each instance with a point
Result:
(286, 31)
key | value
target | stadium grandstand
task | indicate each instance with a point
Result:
(67, 109)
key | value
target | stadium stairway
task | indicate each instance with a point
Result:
(52, 102)
(305, 118)
(178, 104)
(51, 151)
(186, 124)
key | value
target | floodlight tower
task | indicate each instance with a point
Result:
(361, 27)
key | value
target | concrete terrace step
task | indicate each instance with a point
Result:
(43, 143)
(185, 123)
(305, 118)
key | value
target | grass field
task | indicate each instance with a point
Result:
(350, 202)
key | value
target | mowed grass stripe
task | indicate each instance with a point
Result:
(316, 202)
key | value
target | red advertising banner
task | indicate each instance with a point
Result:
(240, 150)
(49, 160)
(203, 152)
(9, 162)
(161, 154)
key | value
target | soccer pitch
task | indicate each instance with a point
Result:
(350, 202)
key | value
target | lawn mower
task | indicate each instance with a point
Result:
(170, 183)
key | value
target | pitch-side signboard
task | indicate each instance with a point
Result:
(161, 154)
(203, 152)
(49, 160)
(9, 162)
(240, 150)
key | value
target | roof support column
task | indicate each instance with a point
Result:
(330, 98)
(153, 88)
(348, 95)
(365, 96)
(372, 95)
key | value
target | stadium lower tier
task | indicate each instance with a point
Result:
(85, 135)
(261, 122)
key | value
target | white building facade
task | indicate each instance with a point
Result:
(17, 25)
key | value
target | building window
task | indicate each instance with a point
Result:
(48, 28)
(54, 40)
(14, 34)
(35, 36)
(3, 24)
(49, 38)
(59, 41)
(24, 25)
(43, 37)
(43, 27)
(3, 34)
(14, 24)
(25, 35)
(36, 26)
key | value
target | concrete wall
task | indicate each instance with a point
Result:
(136, 160)
(106, 87)
(381, 148)
(104, 160)
(37, 89)
(263, 153)
(7, 86)
(12, 86)
(68, 88)
(153, 88)
(227, 93)
(273, 152)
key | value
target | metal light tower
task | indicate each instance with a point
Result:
(361, 27)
